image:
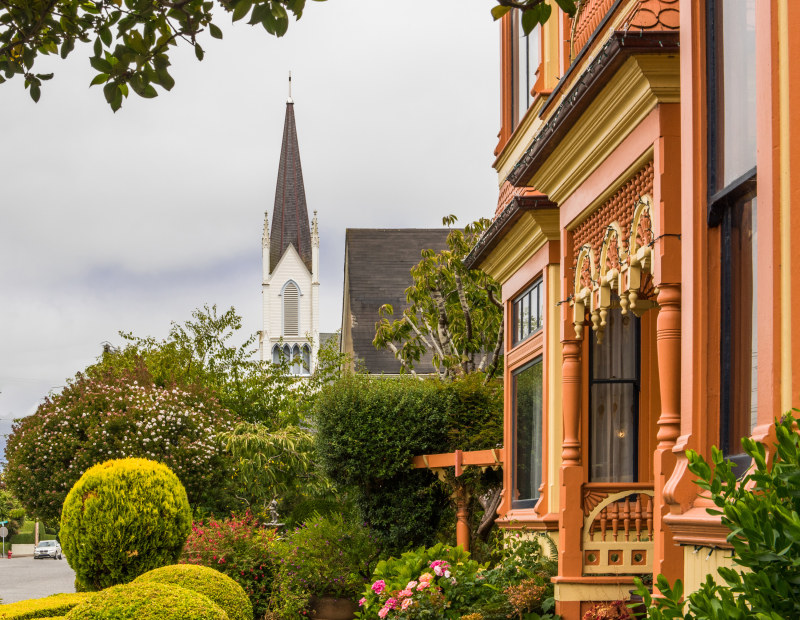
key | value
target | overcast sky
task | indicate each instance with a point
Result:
(127, 221)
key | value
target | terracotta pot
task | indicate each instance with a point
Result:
(329, 608)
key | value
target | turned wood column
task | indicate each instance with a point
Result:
(571, 474)
(668, 558)
(462, 517)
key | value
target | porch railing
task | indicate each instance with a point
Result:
(617, 528)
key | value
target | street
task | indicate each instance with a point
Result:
(24, 578)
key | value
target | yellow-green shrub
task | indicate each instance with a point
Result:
(217, 586)
(123, 518)
(48, 607)
(147, 601)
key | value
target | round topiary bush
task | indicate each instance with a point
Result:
(124, 518)
(147, 601)
(220, 588)
(49, 607)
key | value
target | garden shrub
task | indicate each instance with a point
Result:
(239, 548)
(112, 416)
(370, 427)
(762, 510)
(147, 601)
(12, 512)
(48, 607)
(220, 588)
(325, 557)
(124, 518)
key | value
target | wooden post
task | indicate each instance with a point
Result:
(462, 516)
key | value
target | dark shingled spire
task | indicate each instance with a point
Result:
(290, 217)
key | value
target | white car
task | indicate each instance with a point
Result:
(47, 549)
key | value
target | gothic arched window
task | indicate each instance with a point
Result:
(306, 359)
(276, 354)
(297, 362)
(291, 310)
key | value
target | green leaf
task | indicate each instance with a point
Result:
(98, 47)
(100, 78)
(215, 31)
(568, 6)
(101, 64)
(109, 91)
(198, 51)
(241, 9)
(105, 36)
(35, 92)
(531, 18)
(498, 11)
(164, 78)
(45, 76)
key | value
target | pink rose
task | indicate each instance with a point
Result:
(426, 577)
(361, 602)
(382, 613)
(405, 593)
(411, 585)
(406, 604)
(390, 603)
(422, 585)
(379, 586)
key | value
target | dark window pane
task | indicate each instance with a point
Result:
(744, 325)
(528, 432)
(735, 65)
(540, 290)
(613, 440)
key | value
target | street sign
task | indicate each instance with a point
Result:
(3, 531)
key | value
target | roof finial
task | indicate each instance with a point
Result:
(290, 100)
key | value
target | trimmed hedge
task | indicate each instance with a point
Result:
(147, 601)
(369, 428)
(220, 588)
(28, 539)
(48, 607)
(121, 519)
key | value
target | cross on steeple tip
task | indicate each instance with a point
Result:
(290, 100)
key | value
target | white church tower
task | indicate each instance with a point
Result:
(290, 265)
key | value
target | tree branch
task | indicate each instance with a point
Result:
(496, 353)
(490, 502)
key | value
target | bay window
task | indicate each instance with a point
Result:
(527, 386)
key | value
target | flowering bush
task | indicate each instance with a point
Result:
(239, 548)
(614, 610)
(439, 582)
(325, 557)
(96, 419)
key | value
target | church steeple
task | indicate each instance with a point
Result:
(290, 217)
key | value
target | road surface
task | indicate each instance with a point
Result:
(24, 578)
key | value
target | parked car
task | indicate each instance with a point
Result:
(47, 549)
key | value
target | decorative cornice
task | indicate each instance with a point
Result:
(619, 48)
(503, 224)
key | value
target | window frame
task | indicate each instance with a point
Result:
(720, 209)
(538, 284)
(637, 388)
(517, 36)
(530, 503)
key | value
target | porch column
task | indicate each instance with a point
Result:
(462, 517)
(668, 558)
(571, 522)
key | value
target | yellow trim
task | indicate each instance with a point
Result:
(520, 140)
(593, 591)
(527, 236)
(785, 207)
(555, 423)
(631, 94)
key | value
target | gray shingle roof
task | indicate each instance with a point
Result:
(290, 215)
(378, 263)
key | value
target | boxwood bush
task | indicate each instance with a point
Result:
(48, 607)
(147, 601)
(370, 427)
(124, 518)
(220, 588)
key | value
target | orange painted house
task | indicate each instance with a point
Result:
(647, 164)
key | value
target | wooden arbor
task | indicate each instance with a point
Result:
(438, 463)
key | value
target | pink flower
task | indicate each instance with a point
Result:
(438, 570)
(422, 585)
(390, 603)
(426, 577)
(379, 586)
(382, 613)
(411, 585)
(406, 604)
(405, 593)
(361, 602)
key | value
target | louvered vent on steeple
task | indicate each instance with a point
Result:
(291, 310)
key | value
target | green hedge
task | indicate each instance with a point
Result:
(370, 427)
(48, 607)
(220, 588)
(124, 518)
(147, 601)
(27, 539)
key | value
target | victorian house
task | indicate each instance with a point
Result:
(642, 236)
